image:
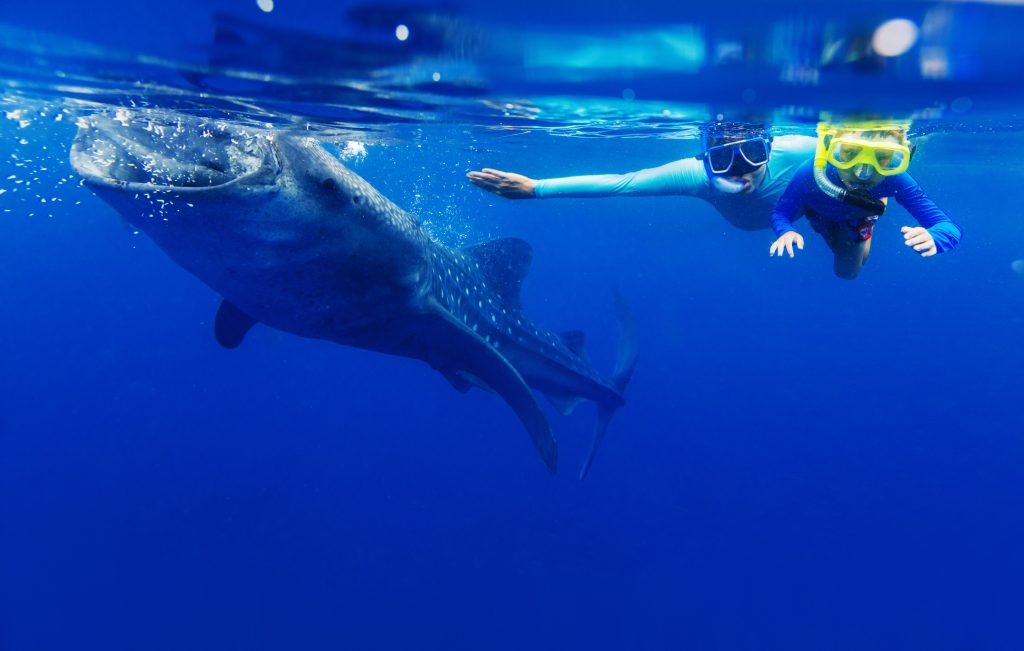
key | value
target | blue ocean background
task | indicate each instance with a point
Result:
(803, 463)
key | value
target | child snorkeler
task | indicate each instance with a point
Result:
(843, 191)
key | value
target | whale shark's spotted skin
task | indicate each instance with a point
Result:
(293, 239)
(459, 287)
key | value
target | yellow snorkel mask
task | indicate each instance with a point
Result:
(846, 145)
(888, 158)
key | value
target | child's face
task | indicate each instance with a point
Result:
(865, 177)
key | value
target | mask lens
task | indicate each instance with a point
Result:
(720, 159)
(845, 152)
(755, 151)
(889, 159)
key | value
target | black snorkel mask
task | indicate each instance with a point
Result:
(736, 158)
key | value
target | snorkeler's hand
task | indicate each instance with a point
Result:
(786, 242)
(920, 239)
(506, 184)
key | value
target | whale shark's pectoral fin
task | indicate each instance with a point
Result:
(231, 325)
(457, 351)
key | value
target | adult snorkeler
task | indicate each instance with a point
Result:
(857, 166)
(742, 171)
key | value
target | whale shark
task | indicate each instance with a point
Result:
(291, 238)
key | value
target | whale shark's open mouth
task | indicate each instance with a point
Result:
(180, 154)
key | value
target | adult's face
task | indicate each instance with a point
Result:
(741, 176)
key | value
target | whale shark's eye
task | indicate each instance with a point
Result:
(357, 199)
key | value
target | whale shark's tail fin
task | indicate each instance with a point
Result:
(625, 363)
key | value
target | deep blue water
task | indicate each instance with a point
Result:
(803, 462)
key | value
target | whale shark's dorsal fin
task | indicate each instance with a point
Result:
(504, 263)
(231, 325)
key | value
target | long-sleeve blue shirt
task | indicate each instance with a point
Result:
(803, 195)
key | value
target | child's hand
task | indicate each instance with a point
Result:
(920, 239)
(786, 242)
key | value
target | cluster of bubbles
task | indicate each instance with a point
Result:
(32, 180)
(181, 152)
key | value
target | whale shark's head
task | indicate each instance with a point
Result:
(179, 155)
(136, 160)
(255, 212)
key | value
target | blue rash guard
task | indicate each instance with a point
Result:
(687, 177)
(804, 197)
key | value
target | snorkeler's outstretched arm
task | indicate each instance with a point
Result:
(940, 233)
(682, 177)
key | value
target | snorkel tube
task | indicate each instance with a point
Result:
(858, 198)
